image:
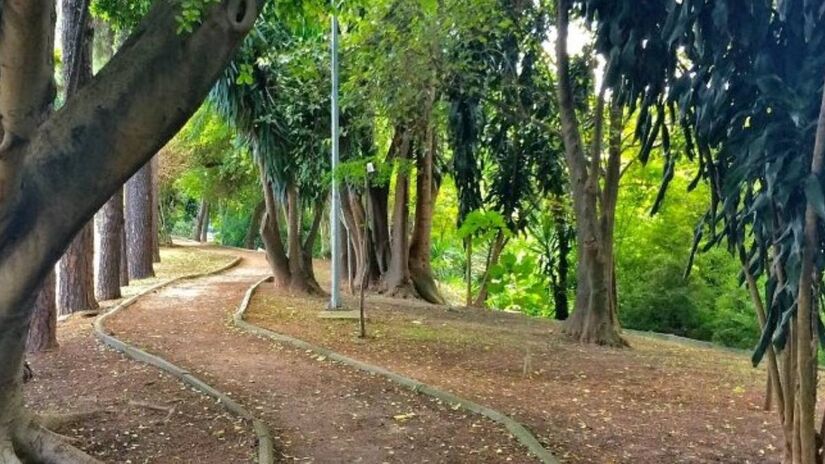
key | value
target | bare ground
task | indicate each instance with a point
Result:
(657, 402)
(319, 411)
(142, 415)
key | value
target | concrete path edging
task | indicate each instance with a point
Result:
(524, 436)
(266, 447)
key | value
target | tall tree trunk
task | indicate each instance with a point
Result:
(139, 223)
(254, 225)
(155, 212)
(421, 272)
(595, 318)
(397, 281)
(109, 221)
(110, 230)
(197, 229)
(75, 287)
(271, 237)
(43, 327)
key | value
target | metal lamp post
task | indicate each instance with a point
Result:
(334, 216)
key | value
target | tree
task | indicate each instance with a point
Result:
(274, 95)
(594, 188)
(75, 285)
(59, 169)
(744, 84)
(138, 217)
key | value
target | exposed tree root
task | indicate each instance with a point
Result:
(39, 445)
(58, 421)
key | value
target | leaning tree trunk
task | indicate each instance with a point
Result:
(353, 217)
(309, 242)
(139, 224)
(56, 171)
(421, 271)
(492, 260)
(271, 237)
(75, 286)
(110, 231)
(43, 327)
(595, 317)
(254, 225)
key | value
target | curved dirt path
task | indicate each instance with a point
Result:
(318, 411)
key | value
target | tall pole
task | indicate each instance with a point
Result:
(334, 213)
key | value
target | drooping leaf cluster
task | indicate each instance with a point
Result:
(743, 81)
(275, 93)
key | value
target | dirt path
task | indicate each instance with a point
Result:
(318, 411)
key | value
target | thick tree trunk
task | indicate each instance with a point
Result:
(301, 280)
(56, 172)
(353, 215)
(43, 327)
(75, 286)
(595, 317)
(271, 236)
(254, 225)
(110, 230)
(421, 272)
(397, 281)
(139, 224)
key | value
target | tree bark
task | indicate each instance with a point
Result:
(353, 217)
(309, 242)
(43, 328)
(203, 236)
(139, 239)
(254, 225)
(421, 272)
(110, 231)
(595, 317)
(75, 286)
(124, 253)
(56, 172)
(806, 316)
(271, 237)
(397, 281)
(155, 212)
(492, 260)
(197, 230)
(302, 280)
(560, 301)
